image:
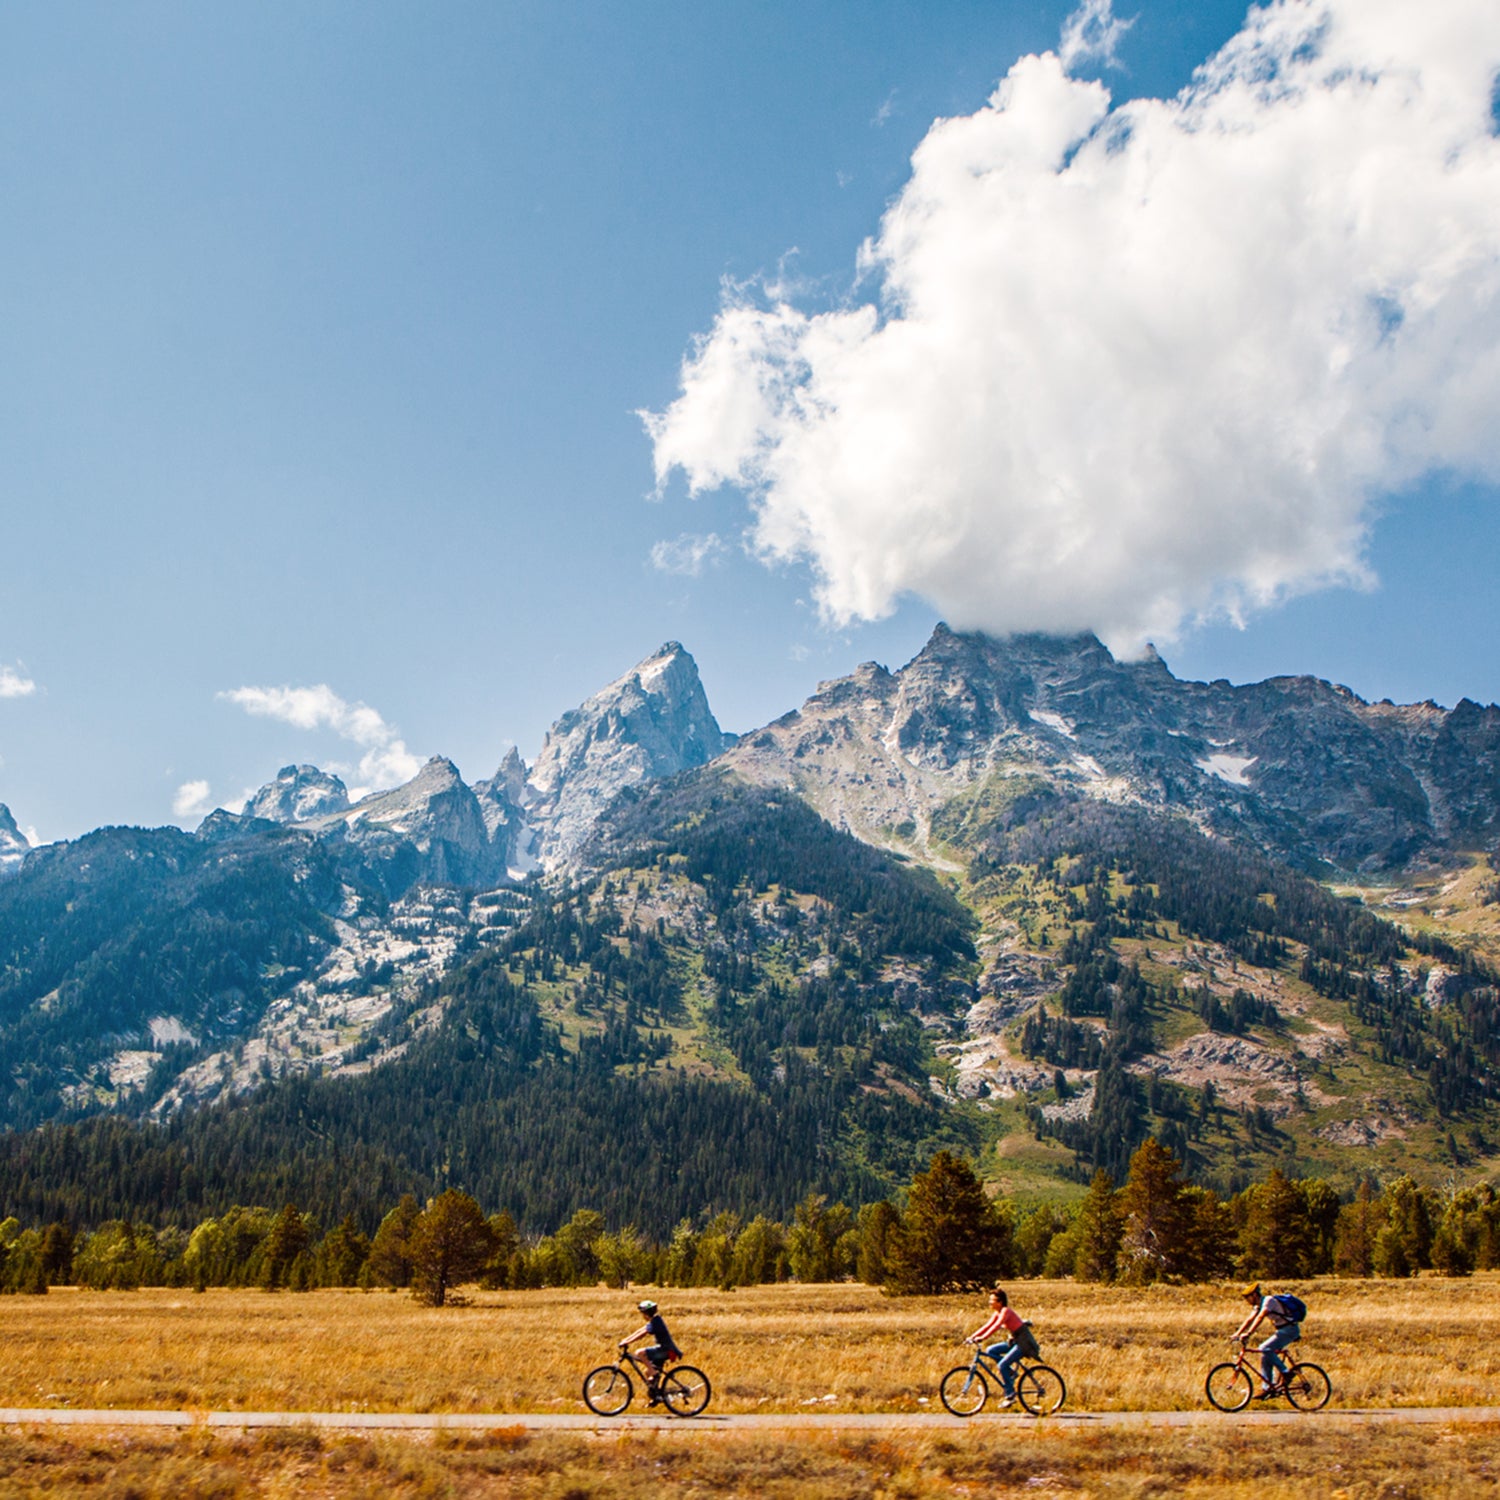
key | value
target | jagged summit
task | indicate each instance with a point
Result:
(298, 794)
(1303, 768)
(13, 845)
(652, 722)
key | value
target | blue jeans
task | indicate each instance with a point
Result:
(1005, 1357)
(1270, 1361)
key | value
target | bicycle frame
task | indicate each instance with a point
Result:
(1242, 1362)
(1232, 1386)
(641, 1368)
(965, 1389)
(988, 1363)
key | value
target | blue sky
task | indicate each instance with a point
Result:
(327, 331)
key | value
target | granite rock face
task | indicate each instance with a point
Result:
(652, 723)
(13, 845)
(297, 794)
(431, 831)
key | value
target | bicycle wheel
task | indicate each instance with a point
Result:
(685, 1391)
(1041, 1390)
(1307, 1387)
(1229, 1387)
(963, 1390)
(607, 1391)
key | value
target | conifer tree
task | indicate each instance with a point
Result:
(951, 1237)
(290, 1235)
(1359, 1225)
(390, 1252)
(1157, 1237)
(1277, 1237)
(450, 1243)
(1098, 1230)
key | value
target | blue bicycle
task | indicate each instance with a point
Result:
(965, 1389)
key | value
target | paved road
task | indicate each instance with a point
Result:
(730, 1422)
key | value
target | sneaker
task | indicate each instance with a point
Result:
(1266, 1392)
(1007, 1401)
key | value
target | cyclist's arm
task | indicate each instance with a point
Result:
(986, 1331)
(640, 1333)
(1250, 1324)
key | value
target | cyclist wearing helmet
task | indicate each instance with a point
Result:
(1287, 1330)
(662, 1348)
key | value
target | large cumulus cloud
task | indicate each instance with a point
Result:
(1130, 367)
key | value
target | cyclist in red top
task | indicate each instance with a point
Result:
(1003, 1319)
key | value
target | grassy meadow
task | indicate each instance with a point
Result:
(844, 1347)
(1327, 1458)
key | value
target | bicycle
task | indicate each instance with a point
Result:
(608, 1390)
(1232, 1386)
(1039, 1388)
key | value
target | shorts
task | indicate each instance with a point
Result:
(659, 1354)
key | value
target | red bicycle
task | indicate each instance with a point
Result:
(1232, 1386)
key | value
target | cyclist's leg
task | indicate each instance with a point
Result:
(1005, 1362)
(1272, 1366)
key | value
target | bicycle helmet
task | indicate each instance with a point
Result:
(646, 1307)
(1251, 1291)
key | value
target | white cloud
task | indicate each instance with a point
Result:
(1092, 33)
(687, 555)
(14, 683)
(192, 800)
(1137, 366)
(386, 762)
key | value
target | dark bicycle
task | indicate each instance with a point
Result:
(1232, 1386)
(608, 1390)
(965, 1388)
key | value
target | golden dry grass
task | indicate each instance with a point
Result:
(1428, 1342)
(1330, 1459)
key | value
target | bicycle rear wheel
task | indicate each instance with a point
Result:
(1308, 1387)
(1041, 1390)
(964, 1391)
(607, 1391)
(1229, 1387)
(685, 1391)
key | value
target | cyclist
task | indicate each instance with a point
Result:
(1003, 1319)
(660, 1351)
(1287, 1329)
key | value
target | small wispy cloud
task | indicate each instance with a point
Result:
(14, 683)
(386, 761)
(688, 555)
(193, 800)
(887, 110)
(1092, 34)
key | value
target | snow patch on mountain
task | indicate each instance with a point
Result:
(14, 845)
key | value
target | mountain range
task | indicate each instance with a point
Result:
(1002, 890)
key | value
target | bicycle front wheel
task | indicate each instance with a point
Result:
(1229, 1387)
(963, 1390)
(1041, 1390)
(685, 1391)
(607, 1391)
(1307, 1387)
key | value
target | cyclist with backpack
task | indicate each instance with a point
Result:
(1005, 1319)
(662, 1349)
(1285, 1313)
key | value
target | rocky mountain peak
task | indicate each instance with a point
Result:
(652, 722)
(1303, 768)
(13, 844)
(297, 794)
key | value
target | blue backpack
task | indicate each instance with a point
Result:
(1291, 1307)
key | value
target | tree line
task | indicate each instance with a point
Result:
(942, 1233)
